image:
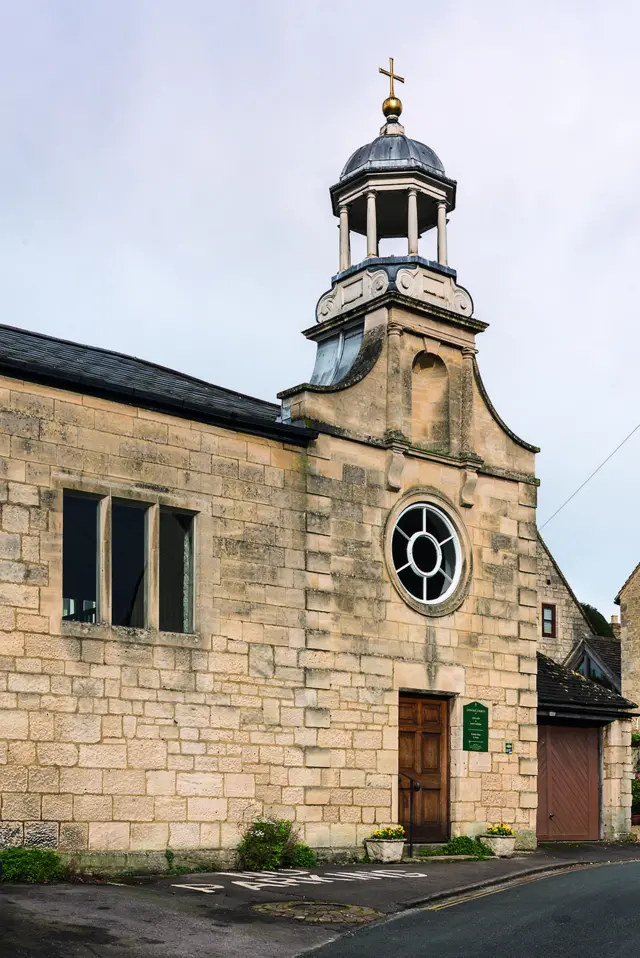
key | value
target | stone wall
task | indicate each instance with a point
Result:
(571, 624)
(484, 651)
(285, 700)
(630, 638)
(133, 739)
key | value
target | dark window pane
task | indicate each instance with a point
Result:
(176, 564)
(128, 563)
(590, 670)
(411, 521)
(436, 585)
(79, 558)
(413, 583)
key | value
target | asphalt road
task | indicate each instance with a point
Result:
(103, 921)
(590, 913)
(215, 916)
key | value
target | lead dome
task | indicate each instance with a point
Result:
(389, 153)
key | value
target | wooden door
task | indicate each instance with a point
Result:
(568, 783)
(424, 757)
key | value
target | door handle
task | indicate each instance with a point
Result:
(551, 814)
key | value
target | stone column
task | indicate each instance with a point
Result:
(442, 233)
(345, 246)
(372, 226)
(412, 225)
(466, 402)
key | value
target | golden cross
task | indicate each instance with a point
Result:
(392, 76)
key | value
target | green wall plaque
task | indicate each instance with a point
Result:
(475, 727)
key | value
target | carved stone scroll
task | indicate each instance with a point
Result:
(468, 487)
(395, 469)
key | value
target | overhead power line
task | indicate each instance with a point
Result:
(589, 478)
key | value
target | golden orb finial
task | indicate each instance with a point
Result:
(392, 106)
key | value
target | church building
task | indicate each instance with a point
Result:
(214, 608)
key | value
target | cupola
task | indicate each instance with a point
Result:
(396, 351)
(392, 187)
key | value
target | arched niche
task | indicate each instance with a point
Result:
(430, 403)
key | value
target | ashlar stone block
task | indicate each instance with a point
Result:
(317, 718)
(315, 757)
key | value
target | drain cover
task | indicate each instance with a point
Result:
(319, 912)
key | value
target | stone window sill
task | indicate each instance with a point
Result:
(102, 630)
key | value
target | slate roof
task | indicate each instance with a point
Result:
(559, 688)
(609, 650)
(110, 375)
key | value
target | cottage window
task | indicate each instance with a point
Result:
(426, 553)
(80, 558)
(549, 621)
(118, 552)
(591, 670)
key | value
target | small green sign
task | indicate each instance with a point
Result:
(475, 727)
(508, 747)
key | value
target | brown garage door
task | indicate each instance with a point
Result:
(424, 737)
(568, 792)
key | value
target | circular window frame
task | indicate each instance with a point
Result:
(451, 517)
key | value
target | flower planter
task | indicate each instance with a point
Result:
(501, 845)
(387, 850)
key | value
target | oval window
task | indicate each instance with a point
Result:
(426, 553)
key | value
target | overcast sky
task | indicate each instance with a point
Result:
(164, 176)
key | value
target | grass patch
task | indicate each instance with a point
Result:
(461, 845)
(31, 865)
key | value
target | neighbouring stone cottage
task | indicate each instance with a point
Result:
(584, 734)
(214, 607)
